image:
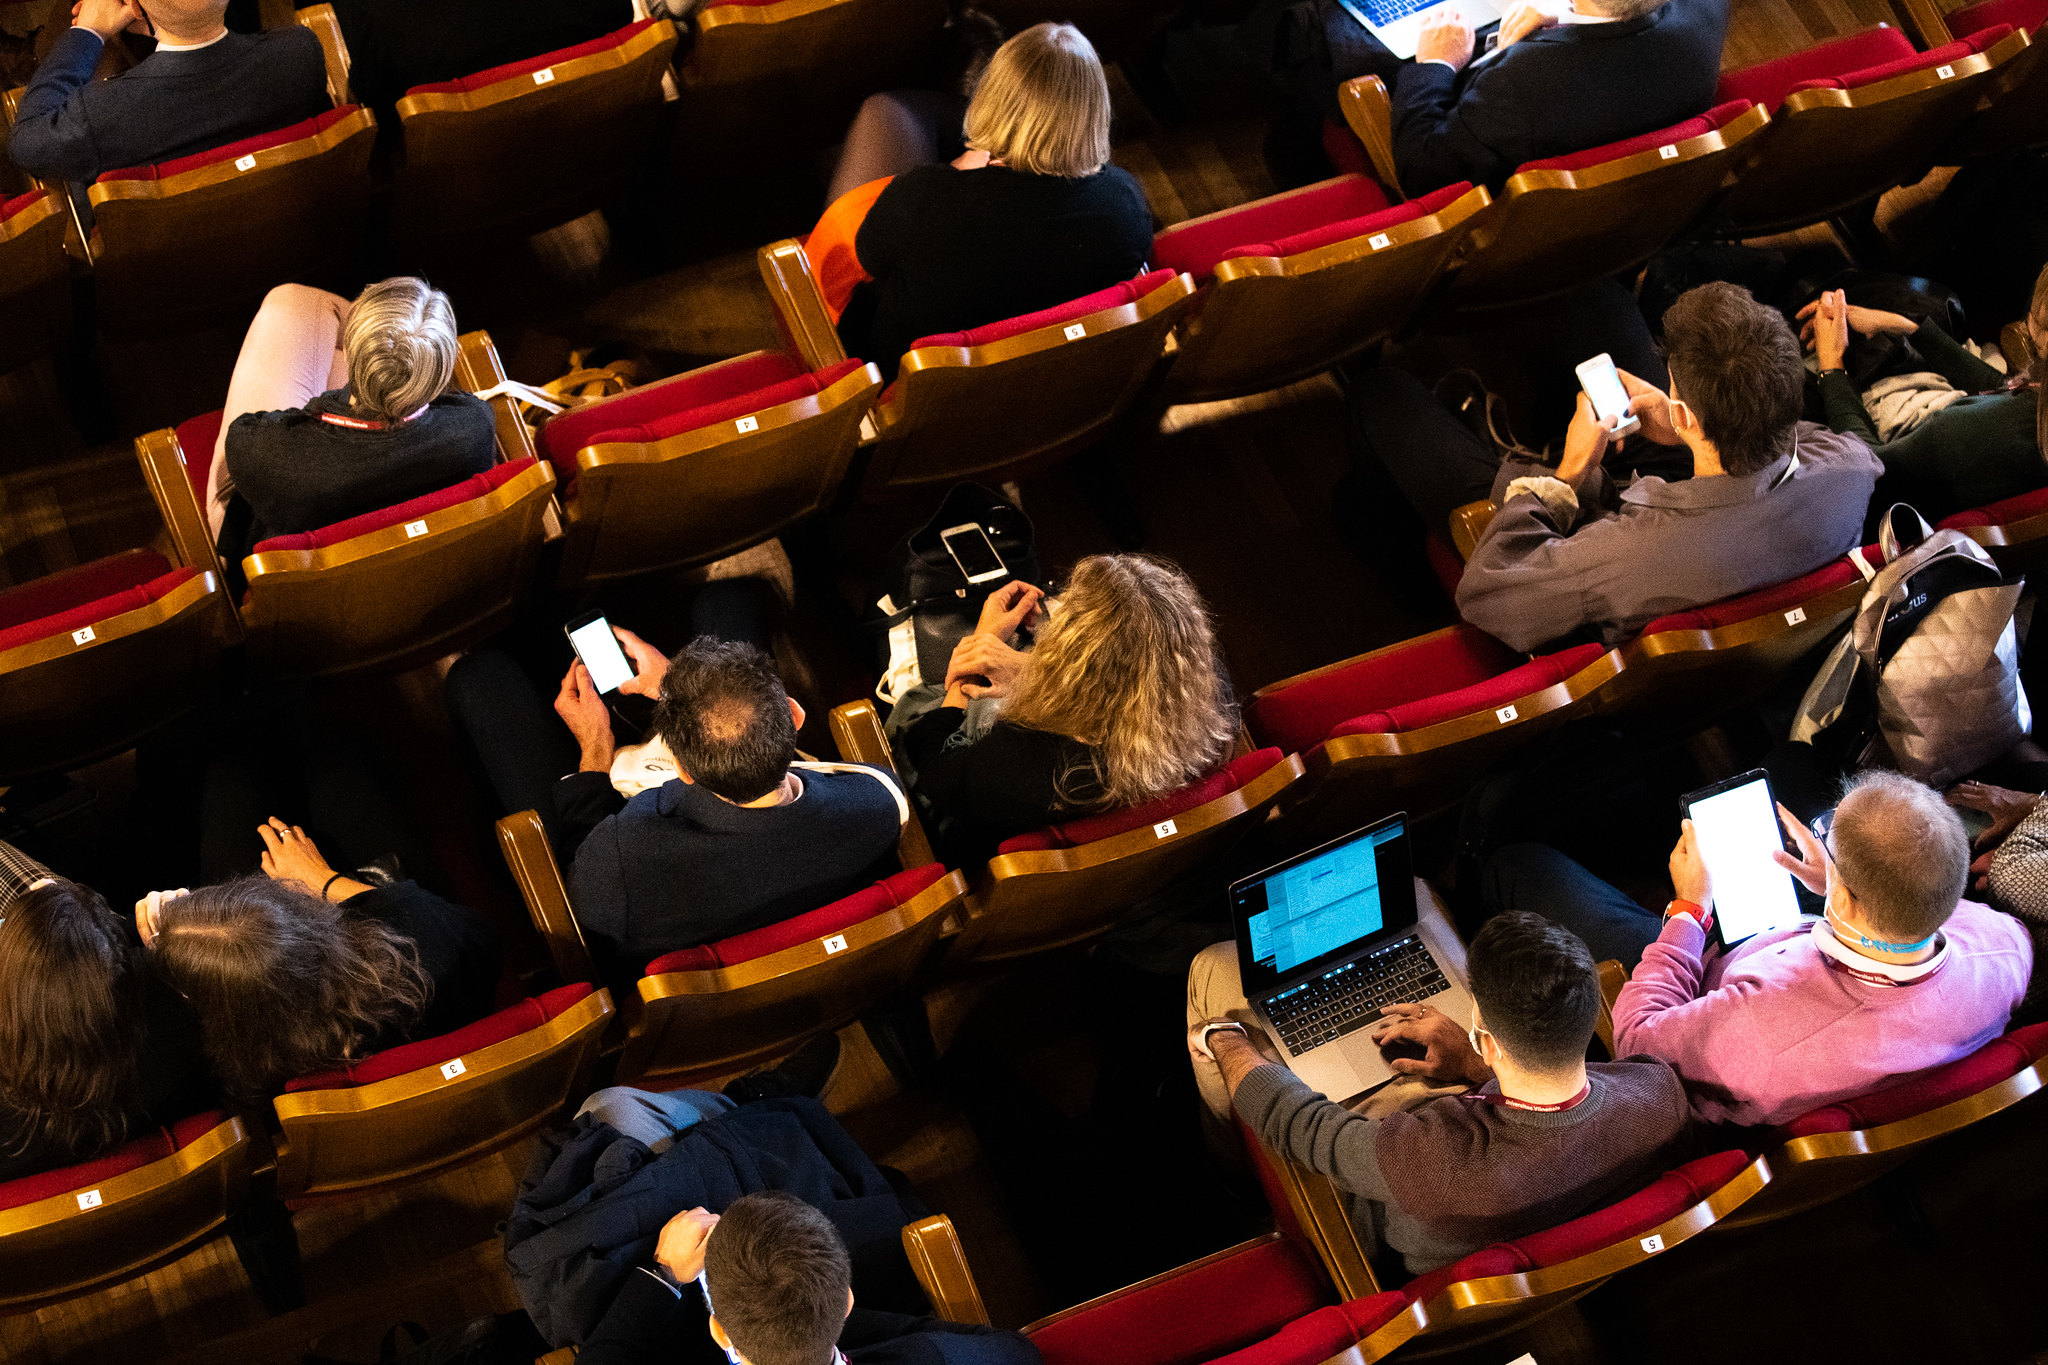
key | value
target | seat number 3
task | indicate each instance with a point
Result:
(450, 1070)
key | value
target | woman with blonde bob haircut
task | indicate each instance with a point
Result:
(1122, 698)
(339, 408)
(1030, 215)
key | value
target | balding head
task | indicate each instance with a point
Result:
(1903, 855)
(726, 718)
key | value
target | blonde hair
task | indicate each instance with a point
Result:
(400, 343)
(1043, 104)
(1127, 664)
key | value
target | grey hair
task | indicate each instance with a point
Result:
(1903, 854)
(400, 344)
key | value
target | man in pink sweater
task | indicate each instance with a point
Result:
(1900, 975)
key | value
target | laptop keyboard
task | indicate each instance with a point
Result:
(1387, 11)
(1350, 997)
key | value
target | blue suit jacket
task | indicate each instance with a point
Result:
(1559, 90)
(172, 104)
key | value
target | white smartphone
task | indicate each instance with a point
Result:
(592, 639)
(973, 552)
(1736, 823)
(1610, 399)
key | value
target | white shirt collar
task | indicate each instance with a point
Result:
(162, 46)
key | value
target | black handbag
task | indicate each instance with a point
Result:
(931, 592)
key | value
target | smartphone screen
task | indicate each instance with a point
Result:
(1736, 824)
(971, 550)
(599, 649)
(1604, 387)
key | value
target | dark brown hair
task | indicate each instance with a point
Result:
(725, 717)
(778, 1276)
(1736, 364)
(1537, 992)
(284, 983)
(71, 1023)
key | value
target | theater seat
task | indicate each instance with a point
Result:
(1413, 724)
(703, 465)
(98, 656)
(1842, 1147)
(197, 242)
(528, 146)
(1296, 283)
(996, 401)
(1562, 222)
(1849, 120)
(70, 1231)
(2015, 530)
(35, 278)
(414, 1111)
(2015, 118)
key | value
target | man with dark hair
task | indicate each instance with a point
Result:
(1542, 1139)
(1899, 974)
(1770, 497)
(774, 1286)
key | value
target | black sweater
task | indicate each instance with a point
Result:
(394, 45)
(1004, 784)
(458, 949)
(951, 250)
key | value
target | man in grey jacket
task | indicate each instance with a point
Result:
(1770, 497)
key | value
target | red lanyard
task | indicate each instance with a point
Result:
(1506, 1103)
(364, 423)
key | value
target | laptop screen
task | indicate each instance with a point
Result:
(1309, 912)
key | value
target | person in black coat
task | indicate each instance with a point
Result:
(770, 1280)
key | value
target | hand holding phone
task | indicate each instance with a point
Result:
(592, 638)
(1610, 399)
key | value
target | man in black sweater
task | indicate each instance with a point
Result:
(773, 1286)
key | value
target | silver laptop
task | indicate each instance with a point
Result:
(1398, 23)
(1324, 940)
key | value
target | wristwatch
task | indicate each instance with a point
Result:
(1202, 1039)
(1693, 911)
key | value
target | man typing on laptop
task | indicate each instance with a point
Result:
(1542, 1139)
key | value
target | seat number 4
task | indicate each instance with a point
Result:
(450, 1070)
(544, 75)
(835, 944)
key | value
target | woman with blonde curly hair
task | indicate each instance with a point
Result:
(1121, 699)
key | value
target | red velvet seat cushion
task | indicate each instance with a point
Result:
(471, 488)
(492, 76)
(1323, 1334)
(1996, 1061)
(197, 436)
(841, 914)
(1665, 1198)
(1299, 717)
(1197, 246)
(1229, 778)
(1871, 75)
(2002, 513)
(10, 207)
(506, 1023)
(1490, 695)
(1117, 295)
(138, 1152)
(1764, 602)
(1314, 238)
(689, 402)
(1194, 1316)
(1974, 19)
(1717, 117)
(99, 591)
(262, 142)
(1767, 83)
(1345, 151)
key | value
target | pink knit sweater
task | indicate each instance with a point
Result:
(1768, 1031)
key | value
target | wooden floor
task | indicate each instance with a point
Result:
(1240, 494)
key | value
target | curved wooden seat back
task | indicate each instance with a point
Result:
(2015, 530)
(115, 1226)
(91, 689)
(1036, 901)
(1001, 408)
(1827, 150)
(346, 1139)
(35, 277)
(1262, 321)
(199, 241)
(526, 147)
(1557, 225)
(531, 860)
(2016, 118)
(790, 74)
(642, 506)
(720, 1020)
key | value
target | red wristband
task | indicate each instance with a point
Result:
(1693, 911)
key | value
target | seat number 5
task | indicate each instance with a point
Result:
(1653, 1244)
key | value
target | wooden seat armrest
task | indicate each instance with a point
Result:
(857, 730)
(1613, 976)
(1320, 1210)
(1468, 524)
(1928, 23)
(532, 860)
(1370, 113)
(478, 368)
(800, 312)
(333, 48)
(2015, 343)
(163, 469)
(941, 1266)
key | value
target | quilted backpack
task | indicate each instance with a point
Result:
(1931, 663)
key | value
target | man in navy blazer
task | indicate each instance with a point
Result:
(202, 88)
(1595, 72)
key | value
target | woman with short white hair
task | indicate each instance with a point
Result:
(1031, 216)
(341, 408)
